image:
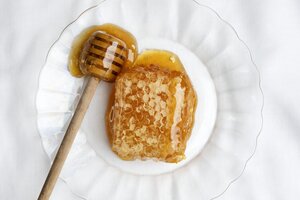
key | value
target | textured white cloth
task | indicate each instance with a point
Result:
(271, 28)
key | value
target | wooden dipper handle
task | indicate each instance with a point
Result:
(69, 137)
(102, 58)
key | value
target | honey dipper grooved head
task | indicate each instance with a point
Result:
(103, 56)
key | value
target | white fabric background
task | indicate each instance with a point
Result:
(271, 28)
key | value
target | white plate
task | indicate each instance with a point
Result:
(222, 72)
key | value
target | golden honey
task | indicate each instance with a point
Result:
(162, 58)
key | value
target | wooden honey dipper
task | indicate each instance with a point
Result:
(101, 58)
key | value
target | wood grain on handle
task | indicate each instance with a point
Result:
(69, 138)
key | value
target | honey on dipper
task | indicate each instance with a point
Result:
(151, 113)
(102, 49)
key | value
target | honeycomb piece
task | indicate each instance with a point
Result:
(152, 114)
